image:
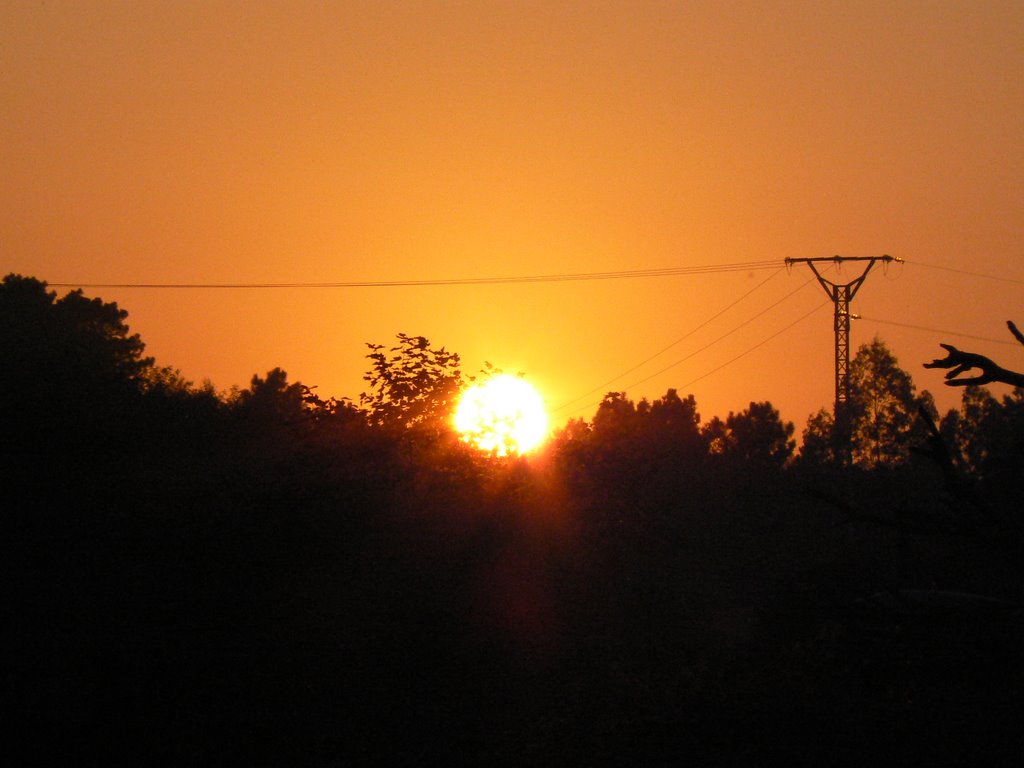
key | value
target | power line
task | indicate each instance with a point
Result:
(723, 336)
(715, 341)
(967, 272)
(804, 317)
(667, 348)
(704, 269)
(756, 346)
(939, 330)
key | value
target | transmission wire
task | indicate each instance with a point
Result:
(518, 279)
(939, 330)
(674, 343)
(759, 344)
(724, 335)
(742, 354)
(966, 272)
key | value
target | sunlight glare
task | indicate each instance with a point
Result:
(502, 415)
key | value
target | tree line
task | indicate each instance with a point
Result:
(266, 573)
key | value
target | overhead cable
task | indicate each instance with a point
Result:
(667, 348)
(704, 269)
(728, 333)
(742, 354)
(967, 272)
(756, 346)
(939, 330)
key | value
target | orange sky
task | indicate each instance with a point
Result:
(291, 141)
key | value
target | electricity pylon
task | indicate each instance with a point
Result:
(842, 294)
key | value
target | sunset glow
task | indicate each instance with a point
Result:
(503, 415)
(386, 143)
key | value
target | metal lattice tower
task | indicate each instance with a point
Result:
(842, 294)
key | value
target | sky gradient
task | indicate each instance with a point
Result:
(299, 142)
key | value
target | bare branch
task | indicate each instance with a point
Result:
(960, 362)
(1013, 329)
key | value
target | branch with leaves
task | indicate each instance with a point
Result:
(414, 384)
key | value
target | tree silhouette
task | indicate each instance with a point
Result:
(273, 399)
(758, 437)
(72, 369)
(72, 340)
(882, 415)
(883, 406)
(818, 442)
(615, 416)
(675, 417)
(427, 601)
(414, 385)
(986, 434)
(969, 429)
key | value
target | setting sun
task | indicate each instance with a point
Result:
(503, 414)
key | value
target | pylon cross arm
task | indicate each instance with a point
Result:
(841, 294)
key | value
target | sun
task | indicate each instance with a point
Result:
(502, 415)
